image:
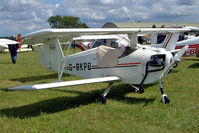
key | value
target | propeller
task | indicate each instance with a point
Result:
(175, 60)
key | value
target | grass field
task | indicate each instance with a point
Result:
(72, 109)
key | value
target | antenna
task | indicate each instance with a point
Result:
(136, 41)
(131, 19)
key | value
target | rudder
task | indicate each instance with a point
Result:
(51, 55)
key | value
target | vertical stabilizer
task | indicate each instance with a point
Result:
(170, 41)
(51, 55)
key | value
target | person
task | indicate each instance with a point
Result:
(13, 49)
(140, 40)
(30, 46)
(181, 37)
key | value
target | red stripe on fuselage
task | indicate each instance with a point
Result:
(94, 66)
(192, 49)
(129, 64)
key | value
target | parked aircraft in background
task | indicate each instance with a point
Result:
(193, 45)
(192, 41)
(169, 42)
(5, 42)
(130, 64)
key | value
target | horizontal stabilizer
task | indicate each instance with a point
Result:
(66, 83)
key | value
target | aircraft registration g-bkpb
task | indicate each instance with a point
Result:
(132, 64)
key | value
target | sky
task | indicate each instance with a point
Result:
(25, 16)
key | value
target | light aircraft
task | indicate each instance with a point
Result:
(192, 42)
(5, 42)
(193, 45)
(132, 64)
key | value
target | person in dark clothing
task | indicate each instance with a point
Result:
(181, 37)
(30, 46)
(13, 49)
(140, 40)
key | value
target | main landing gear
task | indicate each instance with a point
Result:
(164, 97)
(138, 88)
(101, 98)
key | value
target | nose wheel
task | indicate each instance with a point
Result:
(164, 97)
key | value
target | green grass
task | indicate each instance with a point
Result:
(72, 109)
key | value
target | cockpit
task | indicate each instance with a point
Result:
(111, 43)
(114, 43)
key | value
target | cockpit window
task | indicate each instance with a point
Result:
(98, 42)
(114, 44)
(128, 50)
(106, 42)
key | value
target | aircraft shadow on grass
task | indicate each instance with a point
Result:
(63, 103)
(195, 59)
(195, 65)
(37, 78)
(5, 63)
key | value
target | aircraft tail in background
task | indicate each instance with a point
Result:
(170, 41)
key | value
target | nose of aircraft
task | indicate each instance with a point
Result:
(173, 60)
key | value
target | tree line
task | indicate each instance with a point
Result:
(66, 22)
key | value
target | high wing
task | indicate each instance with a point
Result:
(45, 35)
(66, 83)
(94, 37)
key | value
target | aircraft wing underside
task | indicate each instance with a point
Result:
(66, 83)
(43, 35)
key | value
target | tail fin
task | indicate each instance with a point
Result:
(170, 41)
(51, 55)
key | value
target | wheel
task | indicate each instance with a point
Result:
(165, 99)
(141, 89)
(99, 98)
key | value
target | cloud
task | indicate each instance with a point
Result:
(187, 2)
(30, 15)
(107, 1)
(103, 11)
(23, 16)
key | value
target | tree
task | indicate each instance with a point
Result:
(65, 22)
(153, 26)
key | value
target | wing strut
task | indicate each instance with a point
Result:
(133, 40)
(64, 62)
(60, 61)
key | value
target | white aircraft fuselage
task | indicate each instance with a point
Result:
(131, 68)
